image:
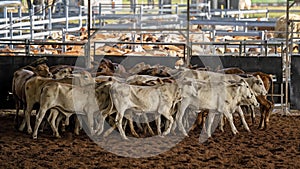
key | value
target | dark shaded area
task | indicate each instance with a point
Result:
(270, 65)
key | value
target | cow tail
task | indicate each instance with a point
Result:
(110, 106)
(272, 88)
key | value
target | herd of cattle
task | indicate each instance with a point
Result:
(152, 44)
(167, 95)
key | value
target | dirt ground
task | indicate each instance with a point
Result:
(276, 147)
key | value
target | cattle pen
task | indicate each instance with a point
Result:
(33, 29)
(185, 35)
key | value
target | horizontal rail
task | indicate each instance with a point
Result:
(234, 23)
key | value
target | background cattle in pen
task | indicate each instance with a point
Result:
(154, 91)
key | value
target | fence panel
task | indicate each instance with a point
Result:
(295, 82)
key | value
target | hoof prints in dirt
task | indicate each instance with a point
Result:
(276, 147)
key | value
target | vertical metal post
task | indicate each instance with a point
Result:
(80, 16)
(140, 16)
(100, 11)
(63, 40)
(267, 14)
(27, 47)
(67, 14)
(287, 67)
(240, 48)
(244, 46)
(43, 10)
(188, 59)
(31, 24)
(5, 17)
(50, 18)
(266, 48)
(11, 28)
(88, 45)
(20, 16)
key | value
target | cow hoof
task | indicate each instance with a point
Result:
(248, 130)
(165, 133)
(136, 135)
(125, 138)
(34, 137)
(29, 131)
(57, 136)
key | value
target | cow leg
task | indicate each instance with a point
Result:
(148, 125)
(26, 120)
(180, 113)
(52, 120)
(222, 122)
(119, 119)
(204, 115)
(90, 119)
(268, 113)
(174, 127)
(170, 118)
(38, 121)
(139, 125)
(167, 124)
(230, 119)
(132, 130)
(100, 127)
(58, 120)
(262, 116)
(211, 116)
(150, 129)
(252, 111)
(110, 130)
(240, 111)
(199, 120)
(185, 119)
(77, 126)
(158, 123)
(16, 120)
(22, 126)
(265, 109)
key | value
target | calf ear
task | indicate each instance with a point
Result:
(236, 84)
(243, 81)
(232, 81)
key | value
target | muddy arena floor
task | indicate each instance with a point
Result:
(276, 147)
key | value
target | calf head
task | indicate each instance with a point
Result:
(257, 86)
(247, 95)
(42, 70)
(62, 73)
(82, 78)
